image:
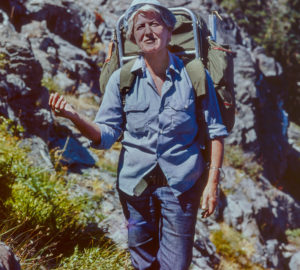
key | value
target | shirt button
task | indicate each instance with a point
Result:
(161, 131)
(186, 106)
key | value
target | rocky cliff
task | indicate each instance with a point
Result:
(60, 45)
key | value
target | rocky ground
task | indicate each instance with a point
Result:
(60, 45)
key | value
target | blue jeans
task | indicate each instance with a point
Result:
(161, 227)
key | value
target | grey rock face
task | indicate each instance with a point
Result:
(21, 93)
(295, 261)
(69, 67)
(39, 153)
(260, 212)
(267, 65)
(8, 261)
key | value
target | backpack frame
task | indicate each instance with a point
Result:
(192, 43)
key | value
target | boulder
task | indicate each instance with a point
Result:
(295, 261)
(8, 260)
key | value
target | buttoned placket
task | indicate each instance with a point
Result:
(167, 85)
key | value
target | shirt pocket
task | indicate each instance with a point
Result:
(136, 118)
(182, 115)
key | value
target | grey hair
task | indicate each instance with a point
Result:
(168, 21)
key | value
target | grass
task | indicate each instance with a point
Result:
(235, 156)
(293, 236)
(41, 221)
(104, 258)
(3, 60)
(297, 128)
(91, 43)
(51, 85)
(235, 250)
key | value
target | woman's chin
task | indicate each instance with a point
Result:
(151, 51)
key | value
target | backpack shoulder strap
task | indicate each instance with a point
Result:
(126, 79)
(196, 72)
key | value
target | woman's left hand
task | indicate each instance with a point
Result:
(210, 197)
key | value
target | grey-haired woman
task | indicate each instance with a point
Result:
(161, 165)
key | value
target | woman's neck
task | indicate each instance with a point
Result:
(157, 63)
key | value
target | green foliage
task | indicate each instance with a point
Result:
(40, 220)
(235, 249)
(35, 195)
(293, 236)
(235, 156)
(275, 26)
(51, 85)
(91, 43)
(106, 257)
(3, 60)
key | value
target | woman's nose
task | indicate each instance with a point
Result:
(148, 29)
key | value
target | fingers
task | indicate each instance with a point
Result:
(57, 103)
(209, 204)
(52, 100)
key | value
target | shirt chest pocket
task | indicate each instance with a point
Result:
(137, 118)
(182, 116)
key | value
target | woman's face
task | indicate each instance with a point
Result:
(150, 33)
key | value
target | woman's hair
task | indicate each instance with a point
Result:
(168, 21)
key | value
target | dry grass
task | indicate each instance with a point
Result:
(234, 248)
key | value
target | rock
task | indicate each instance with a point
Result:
(273, 254)
(69, 68)
(8, 261)
(267, 65)
(204, 253)
(20, 85)
(294, 263)
(72, 153)
(39, 154)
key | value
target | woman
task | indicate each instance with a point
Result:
(160, 166)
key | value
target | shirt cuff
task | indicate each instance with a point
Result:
(217, 130)
(107, 138)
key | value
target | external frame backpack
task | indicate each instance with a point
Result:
(191, 42)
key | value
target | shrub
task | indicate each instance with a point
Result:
(106, 257)
(293, 236)
(51, 85)
(3, 60)
(235, 250)
(235, 156)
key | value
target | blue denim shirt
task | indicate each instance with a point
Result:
(159, 129)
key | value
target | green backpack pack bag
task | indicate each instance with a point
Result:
(190, 41)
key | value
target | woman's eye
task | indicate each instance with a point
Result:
(139, 27)
(155, 24)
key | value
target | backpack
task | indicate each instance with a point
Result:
(191, 42)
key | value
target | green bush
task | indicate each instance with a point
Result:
(51, 85)
(235, 156)
(39, 218)
(235, 250)
(105, 258)
(3, 60)
(293, 236)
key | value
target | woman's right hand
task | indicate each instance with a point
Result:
(60, 106)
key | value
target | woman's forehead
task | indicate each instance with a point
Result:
(147, 16)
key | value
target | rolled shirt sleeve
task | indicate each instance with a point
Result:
(212, 114)
(109, 117)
